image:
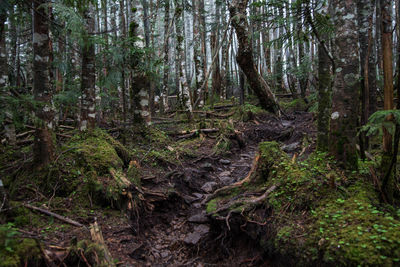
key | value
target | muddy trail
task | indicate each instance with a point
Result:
(177, 232)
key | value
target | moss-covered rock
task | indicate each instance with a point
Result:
(310, 212)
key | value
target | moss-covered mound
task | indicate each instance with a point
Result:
(92, 168)
(310, 212)
(295, 105)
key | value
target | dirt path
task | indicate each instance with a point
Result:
(177, 232)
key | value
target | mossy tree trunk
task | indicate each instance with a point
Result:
(245, 57)
(88, 98)
(345, 94)
(388, 182)
(43, 144)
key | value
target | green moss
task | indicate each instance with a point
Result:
(353, 229)
(212, 206)
(247, 112)
(97, 151)
(16, 251)
(295, 105)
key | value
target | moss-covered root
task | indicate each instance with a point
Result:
(310, 213)
(252, 190)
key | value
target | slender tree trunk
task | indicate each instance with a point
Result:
(203, 34)
(183, 88)
(365, 15)
(216, 77)
(123, 78)
(245, 57)
(88, 98)
(164, 92)
(388, 182)
(43, 144)
(345, 97)
(147, 37)
(198, 57)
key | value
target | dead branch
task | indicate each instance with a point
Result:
(55, 215)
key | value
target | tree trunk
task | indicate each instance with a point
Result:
(88, 98)
(245, 57)
(345, 97)
(43, 145)
(365, 16)
(147, 38)
(183, 89)
(324, 98)
(198, 58)
(388, 181)
(164, 92)
(139, 81)
(203, 34)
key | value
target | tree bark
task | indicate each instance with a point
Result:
(345, 96)
(43, 144)
(324, 93)
(183, 88)
(245, 57)
(139, 81)
(164, 92)
(388, 182)
(88, 98)
(368, 70)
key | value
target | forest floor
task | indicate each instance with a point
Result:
(175, 230)
(205, 190)
(178, 231)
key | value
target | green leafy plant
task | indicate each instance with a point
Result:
(379, 119)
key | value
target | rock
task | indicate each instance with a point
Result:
(225, 161)
(226, 180)
(196, 205)
(198, 195)
(225, 173)
(189, 199)
(291, 147)
(164, 254)
(207, 166)
(209, 187)
(198, 232)
(199, 218)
